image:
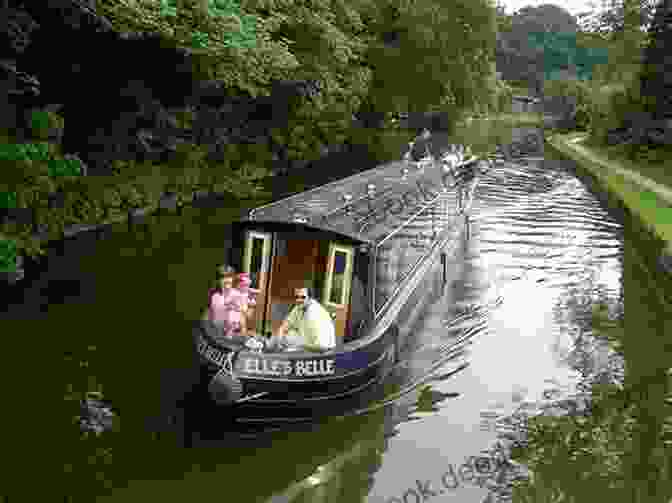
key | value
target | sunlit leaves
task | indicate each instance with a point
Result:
(447, 42)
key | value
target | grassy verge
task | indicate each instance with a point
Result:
(650, 163)
(642, 186)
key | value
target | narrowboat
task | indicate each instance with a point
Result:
(374, 249)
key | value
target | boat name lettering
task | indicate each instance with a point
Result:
(272, 367)
(299, 368)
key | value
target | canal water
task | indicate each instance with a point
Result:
(511, 330)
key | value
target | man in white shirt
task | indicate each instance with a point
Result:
(308, 326)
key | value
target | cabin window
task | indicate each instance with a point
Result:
(339, 274)
(257, 262)
(257, 255)
(337, 279)
(360, 306)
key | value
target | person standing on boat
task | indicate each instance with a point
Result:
(308, 326)
(227, 308)
(419, 149)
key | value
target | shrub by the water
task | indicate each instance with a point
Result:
(579, 92)
(610, 106)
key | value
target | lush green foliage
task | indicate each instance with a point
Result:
(245, 66)
(503, 95)
(7, 199)
(7, 255)
(442, 60)
(560, 50)
(339, 44)
(517, 57)
(577, 455)
(536, 41)
(442, 56)
(613, 20)
(92, 200)
(609, 106)
(581, 91)
(617, 32)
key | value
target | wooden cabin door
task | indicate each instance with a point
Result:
(296, 262)
(257, 263)
(336, 292)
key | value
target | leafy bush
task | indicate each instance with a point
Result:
(580, 91)
(610, 106)
(136, 184)
(43, 123)
(7, 255)
(578, 455)
(503, 96)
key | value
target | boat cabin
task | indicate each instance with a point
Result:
(353, 242)
(282, 257)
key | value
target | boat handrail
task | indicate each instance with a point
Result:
(411, 219)
(423, 208)
(401, 284)
(386, 310)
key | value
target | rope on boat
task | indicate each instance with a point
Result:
(224, 385)
(227, 369)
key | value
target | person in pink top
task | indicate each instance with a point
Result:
(227, 306)
(244, 283)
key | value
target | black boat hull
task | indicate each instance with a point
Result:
(273, 400)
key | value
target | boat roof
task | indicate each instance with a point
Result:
(328, 208)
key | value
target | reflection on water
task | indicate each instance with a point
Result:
(542, 243)
(542, 253)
